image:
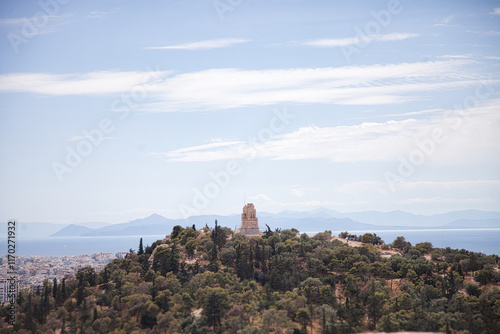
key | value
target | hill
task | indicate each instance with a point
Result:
(216, 281)
(154, 224)
(71, 230)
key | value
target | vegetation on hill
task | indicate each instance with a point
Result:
(216, 281)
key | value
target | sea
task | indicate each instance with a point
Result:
(483, 240)
(68, 246)
(486, 240)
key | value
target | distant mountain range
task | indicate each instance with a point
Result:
(392, 218)
(43, 229)
(305, 221)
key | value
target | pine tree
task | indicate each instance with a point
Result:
(216, 305)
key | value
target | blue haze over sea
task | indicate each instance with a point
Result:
(479, 240)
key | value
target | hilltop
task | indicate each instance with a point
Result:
(213, 280)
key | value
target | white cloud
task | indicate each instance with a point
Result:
(300, 191)
(39, 24)
(102, 14)
(445, 22)
(368, 141)
(455, 56)
(496, 11)
(260, 198)
(93, 83)
(351, 85)
(339, 42)
(413, 113)
(202, 45)
(197, 149)
(13, 21)
(217, 89)
(77, 138)
(342, 143)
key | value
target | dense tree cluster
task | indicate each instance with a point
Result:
(216, 281)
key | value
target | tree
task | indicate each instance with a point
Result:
(343, 235)
(167, 323)
(489, 308)
(219, 236)
(148, 317)
(401, 243)
(176, 231)
(215, 305)
(63, 289)
(54, 289)
(484, 276)
(425, 246)
(304, 317)
(311, 289)
(451, 284)
(368, 238)
(137, 304)
(388, 323)
(87, 274)
(472, 290)
(186, 304)
(375, 301)
(141, 248)
(45, 306)
(166, 259)
(191, 247)
(275, 321)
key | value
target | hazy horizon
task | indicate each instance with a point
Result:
(258, 212)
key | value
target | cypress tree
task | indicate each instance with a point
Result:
(141, 248)
(63, 289)
(54, 291)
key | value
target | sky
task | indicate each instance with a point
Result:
(115, 110)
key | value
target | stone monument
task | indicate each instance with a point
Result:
(249, 221)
